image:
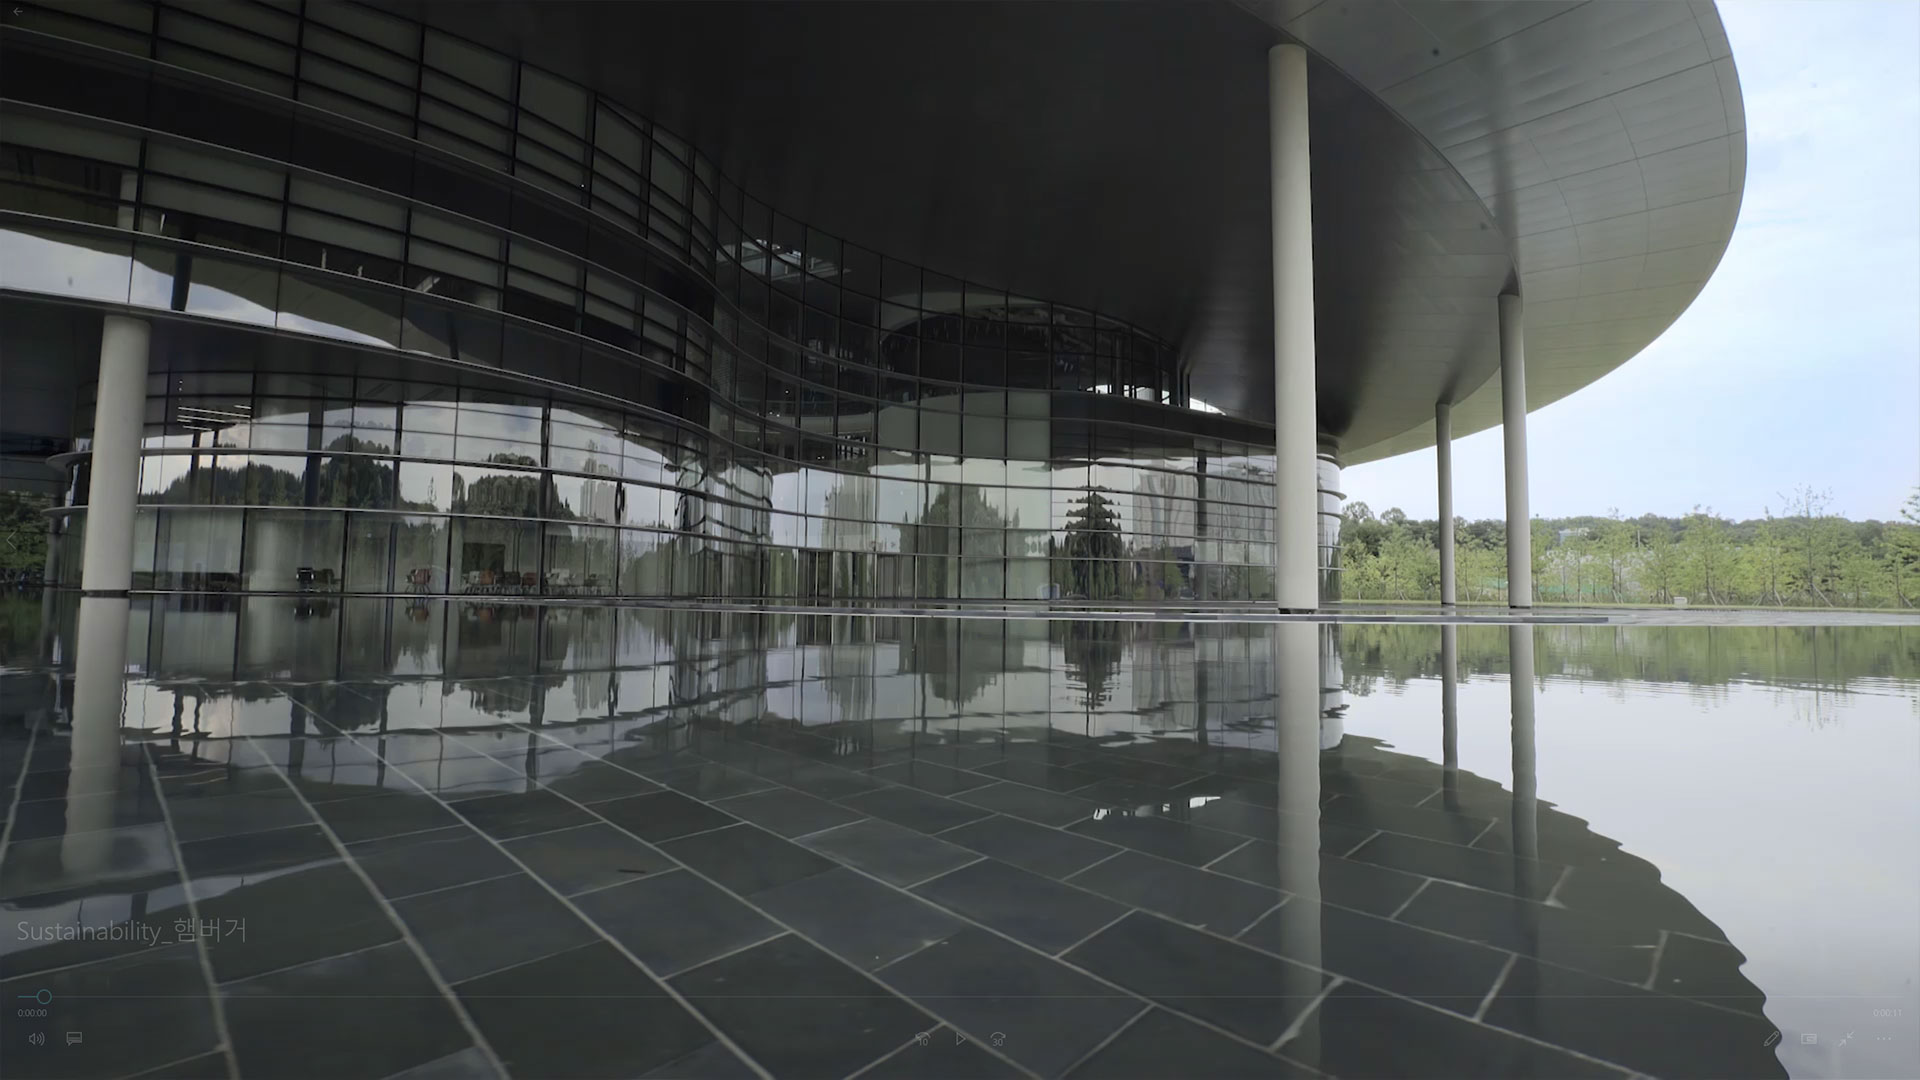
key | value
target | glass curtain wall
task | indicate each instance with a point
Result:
(763, 409)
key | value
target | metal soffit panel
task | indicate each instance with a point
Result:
(1115, 156)
(1607, 139)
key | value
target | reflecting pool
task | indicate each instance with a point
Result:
(383, 836)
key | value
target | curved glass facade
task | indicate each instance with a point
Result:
(543, 346)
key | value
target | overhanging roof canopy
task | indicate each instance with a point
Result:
(1115, 156)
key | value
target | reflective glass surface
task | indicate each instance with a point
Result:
(837, 424)
(257, 479)
(495, 838)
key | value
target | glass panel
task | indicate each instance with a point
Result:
(51, 262)
(370, 552)
(420, 554)
(643, 563)
(501, 492)
(294, 550)
(337, 311)
(426, 486)
(495, 556)
(197, 549)
(237, 291)
(579, 498)
(579, 559)
(364, 483)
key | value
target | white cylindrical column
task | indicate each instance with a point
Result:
(119, 411)
(1443, 458)
(1296, 553)
(1513, 405)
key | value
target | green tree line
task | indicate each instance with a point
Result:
(1805, 557)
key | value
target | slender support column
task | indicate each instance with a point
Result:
(1443, 456)
(118, 414)
(1295, 426)
(1513, 403)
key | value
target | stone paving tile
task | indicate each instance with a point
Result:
(158, 996)
(892, 852)
(673, 921)
(1030, 803)
(1112, 908)
(1180, 892)
(1468, 866)
(369, 1013)
(1246, 992)
(787, 812)
(557, 1016)
(946, 1055)
(587, 857)
(746, 859)
(1050, 1014)
(862, 921)
(1439, 970)
(1053, 853)
(474, 929)
(927, 776)
(1161, 1044)
(1656, 1034)
(1615, 949)
(916, 810)
(288, 918)
(1027, 907)
(1174, 840)
(799, 1011)
(1359, 1033)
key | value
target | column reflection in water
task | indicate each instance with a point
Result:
(1526, 829)
(100, 663)
(1298, 683)
(1526, 823)
(1450, 716)
(1333, 704)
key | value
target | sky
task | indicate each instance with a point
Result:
(1799, 363)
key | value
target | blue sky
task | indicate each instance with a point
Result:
(1800, 361)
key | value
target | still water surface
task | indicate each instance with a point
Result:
(1719, 815)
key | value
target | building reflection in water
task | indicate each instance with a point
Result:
(1234, 736)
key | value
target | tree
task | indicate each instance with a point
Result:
(1811, 539)
(1618, 542)
(1543, 537)
(1767, 560)
(1093, 547)
(1706, 555)
(23, 531)
(1808, 557)
(1661, 565)
(1903, 552)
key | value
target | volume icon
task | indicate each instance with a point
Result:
(38, 1038)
